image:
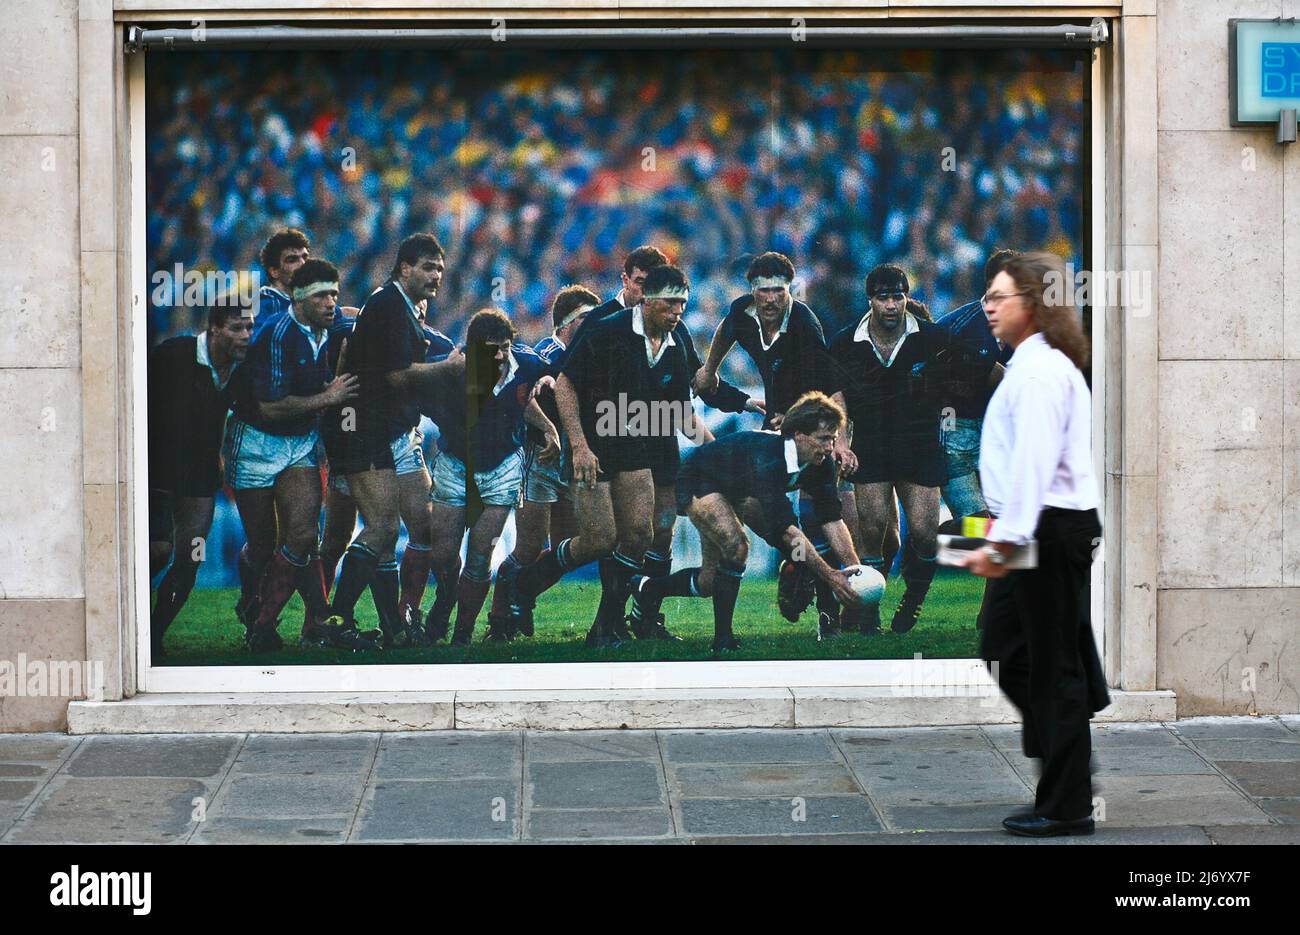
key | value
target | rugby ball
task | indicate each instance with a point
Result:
(867, 583)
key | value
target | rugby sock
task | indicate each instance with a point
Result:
(656, 564)
(329, 566)
(414, 576)
(501, 593)
(384, 586)
(173, 591)
(311, 585)
(615, 572)
(918, 571)
(679, 584)
(470, 595)
(726, 589)
(444, 600)
(358, 570)
(278, 584)
(249, 580)
(550, 568)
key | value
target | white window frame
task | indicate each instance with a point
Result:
(902, 675)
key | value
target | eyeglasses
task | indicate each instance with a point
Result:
(997, 298)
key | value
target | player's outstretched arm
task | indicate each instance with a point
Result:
(443, 376)
(837, 534)
(799, 545)
(706, 378)
(338, 390)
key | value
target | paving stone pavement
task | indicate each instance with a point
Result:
(1200, 781)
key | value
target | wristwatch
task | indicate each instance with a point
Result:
(995, 556)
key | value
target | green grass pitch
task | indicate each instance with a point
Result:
(207, 633)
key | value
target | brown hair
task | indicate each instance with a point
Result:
(286, 238)
(489, 324)
(644, 258)
(570, 299)
(1049, 294)
(810, 412)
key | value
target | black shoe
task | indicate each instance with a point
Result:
(1033, 826)
(498, 630)
(909, 611)
(652, 629)
(852, 619)
(827, 628)
(795, 590)
(339, 633)
(263, 639)
(618, 629)
(603, 637)
(523, 624)
(247, 610)
(870, 625)
(415, 632)
(726, 644)
(463, 636)
(435, 628)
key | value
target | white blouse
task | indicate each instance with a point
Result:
(1036, 444)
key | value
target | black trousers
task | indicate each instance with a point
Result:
(1037, 628)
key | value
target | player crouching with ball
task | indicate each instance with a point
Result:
(744, 479)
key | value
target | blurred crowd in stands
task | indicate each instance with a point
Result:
(538, 169)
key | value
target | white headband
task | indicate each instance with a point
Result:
(306, 292)
(669, 292)
(769, 282)
(574, 315)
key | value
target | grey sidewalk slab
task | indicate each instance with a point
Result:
(1105, 836)
(792, 815)
(1285, 809)
(954, 816)
(1155, 800)
(1263, 777)
(614, 784)
(34, 748)
(575, 746)
(153, 755)
(148, 810)
(462, 810)
(309, 754)
(875, 739)
(763, 779)
(1235, 728)
(271, 796)
(1255, 749)
(790, 746)
(272, 831)
(449, 755)
(551, 824)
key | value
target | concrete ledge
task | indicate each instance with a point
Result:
(884, 707)
(336, 712)
(264, 713)
(611, 710)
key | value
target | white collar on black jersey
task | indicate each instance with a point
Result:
(863, 333)
(204, 358)
(638, 325)
(410, 306)
(512, 365)
(752, 311)
(791, 456)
